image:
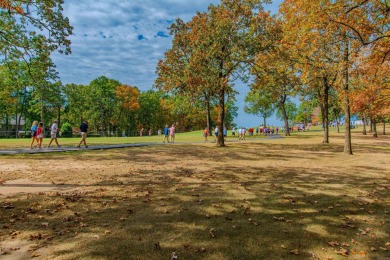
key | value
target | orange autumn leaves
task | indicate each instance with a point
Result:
(11, 6)
(128, 97)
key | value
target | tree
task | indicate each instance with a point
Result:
(275, 71)
(213, 47)
(290, 112)
(127, 97)
(103, 101)
(151, 114)
(304, 112)
(77, 104)
(29, 26)
(259, 103)
(315, 50)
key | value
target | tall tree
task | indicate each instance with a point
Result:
(103, 101)
(259, 103)
(275, 70)
(218, 42)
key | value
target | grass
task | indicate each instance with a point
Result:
(191, 137)
(290, 198)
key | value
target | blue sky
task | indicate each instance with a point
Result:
(124, 40)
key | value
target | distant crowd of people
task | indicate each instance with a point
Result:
(242, 132)
(37, 133)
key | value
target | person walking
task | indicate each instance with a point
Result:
(40, 135)
(205, 134)
(34, 128)
(53, 134)
(215, 133)
(172, 133)
(83, 131)
(166, 134)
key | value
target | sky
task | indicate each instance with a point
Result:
(124, 39)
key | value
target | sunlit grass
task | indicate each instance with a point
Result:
(286, 198)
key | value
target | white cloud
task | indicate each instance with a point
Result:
(122, 40)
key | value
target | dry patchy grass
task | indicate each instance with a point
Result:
(289, 198)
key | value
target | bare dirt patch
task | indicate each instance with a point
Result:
(269, 199)
(25, 186)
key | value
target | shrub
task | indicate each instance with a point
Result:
(66, 130)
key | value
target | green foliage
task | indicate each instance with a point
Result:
(26, 30)
(259, 102)
(66, 130)
(304, 112)
(291, 111)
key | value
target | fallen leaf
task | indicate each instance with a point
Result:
(212, 232)
(45, 224)
(187, 247)
(295, 252)
(282, 246)
(383, 248)
(342, 252)
(362, 253)
(333, 243)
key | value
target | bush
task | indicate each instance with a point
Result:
(66, 130)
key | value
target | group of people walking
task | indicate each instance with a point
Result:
(169, 134)
(216, 131)
(37, 134)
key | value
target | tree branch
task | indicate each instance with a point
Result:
(356, 6)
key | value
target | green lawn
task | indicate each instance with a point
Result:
(286, 198)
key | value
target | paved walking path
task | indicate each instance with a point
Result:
(54, 149)
(70, 148)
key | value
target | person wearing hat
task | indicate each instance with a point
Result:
(53, 133)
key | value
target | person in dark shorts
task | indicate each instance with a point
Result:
(34, 128)
(83, 130)
(166, 134)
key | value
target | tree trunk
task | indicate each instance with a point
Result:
(325, 119)
(384, 127)
(16, 124)
(284, 113)
(59, 116)
(22, 109)
(208, 112)
(42, 110)
(6, 125)
(347, 111)
(220, 138)
(17, 121)
(338, 125)
(364, 126)
(371, 126)
(102, 113)
(265, 122)
(320, 98)
(374, 125)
